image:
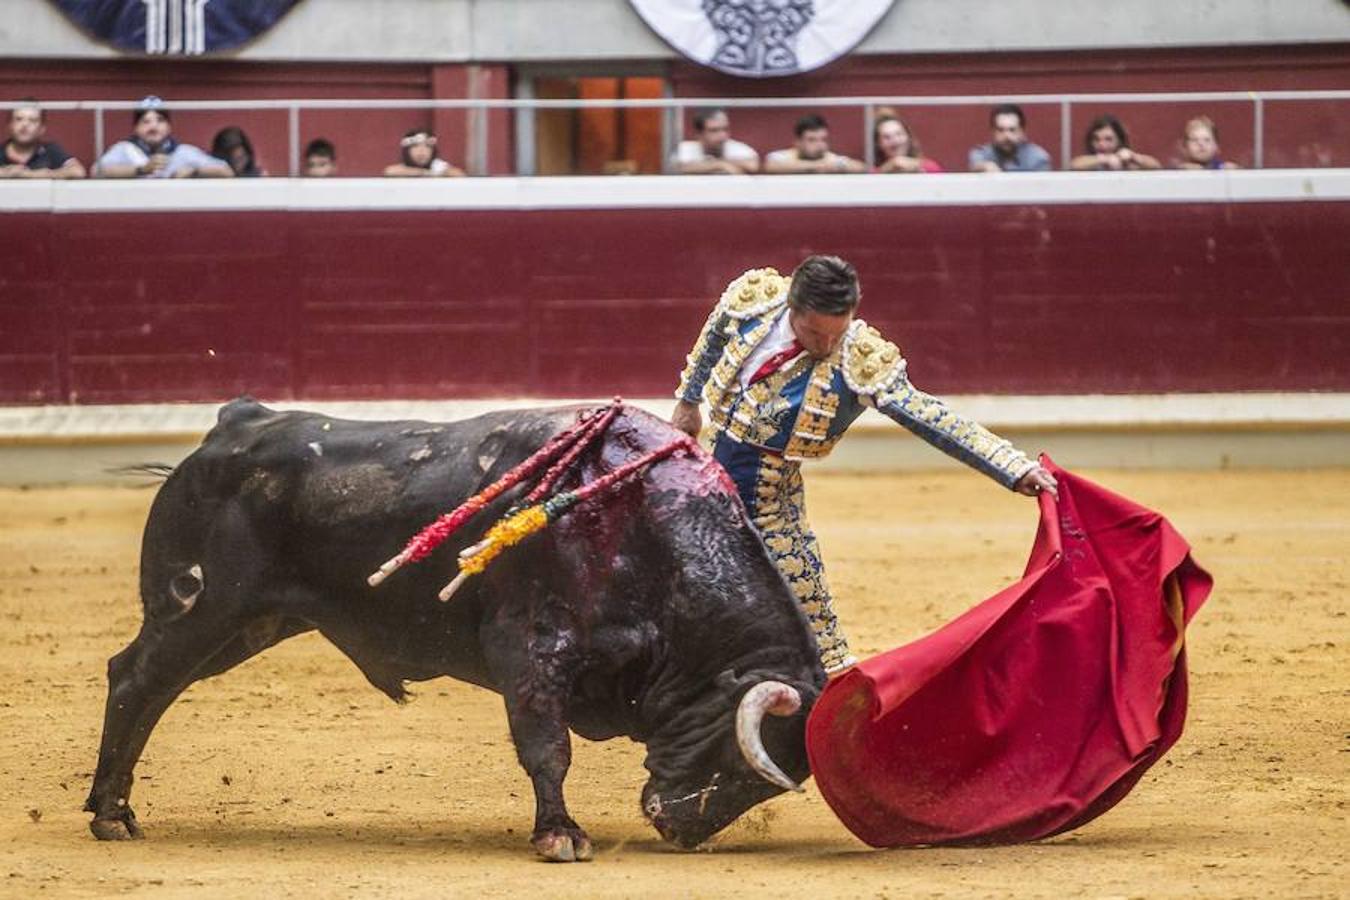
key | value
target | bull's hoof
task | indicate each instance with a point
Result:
(563, 846)
(116, 830)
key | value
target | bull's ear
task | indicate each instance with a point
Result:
(728, 682)
(734, 684)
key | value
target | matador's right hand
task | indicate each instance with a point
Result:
(688, 418)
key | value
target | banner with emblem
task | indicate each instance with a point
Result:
(762, 38)
(175, 27)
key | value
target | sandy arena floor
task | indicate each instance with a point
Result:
(290, 775)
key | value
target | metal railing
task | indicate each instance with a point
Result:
(676, 107)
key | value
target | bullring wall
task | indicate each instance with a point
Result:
(364, 289)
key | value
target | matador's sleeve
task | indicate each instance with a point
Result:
(755, 293)
(875, 370)
(707, 350)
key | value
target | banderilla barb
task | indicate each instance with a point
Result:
(530, 515)
(432, 536)
(514, 528)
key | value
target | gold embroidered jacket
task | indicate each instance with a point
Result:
(801, 411)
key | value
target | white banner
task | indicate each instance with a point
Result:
(762, 38)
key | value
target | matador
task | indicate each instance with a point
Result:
(785, 368)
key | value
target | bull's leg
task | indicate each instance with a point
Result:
(545, 750)
(535, 686)
(143, 680)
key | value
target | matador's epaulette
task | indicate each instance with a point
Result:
(755, 293)
(870, 362)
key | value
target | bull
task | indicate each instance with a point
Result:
(655, 615)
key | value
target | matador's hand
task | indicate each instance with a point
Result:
(1036, 481)
(687, 418)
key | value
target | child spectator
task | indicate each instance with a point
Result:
(320, 159)
(420, 159)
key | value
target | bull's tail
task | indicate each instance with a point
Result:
(155, 471)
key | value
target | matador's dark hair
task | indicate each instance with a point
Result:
(825, 284)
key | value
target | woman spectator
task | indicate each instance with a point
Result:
(233, 146)
(896, 147)
(420, 159)
(1108, 149)
(1200, 146)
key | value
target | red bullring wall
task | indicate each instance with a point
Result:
(495, 292)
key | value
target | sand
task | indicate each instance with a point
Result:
(290, 775)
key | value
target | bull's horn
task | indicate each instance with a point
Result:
(766, 697)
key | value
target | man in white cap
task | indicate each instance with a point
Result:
(153, 152)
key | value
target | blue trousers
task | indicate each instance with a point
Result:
(771, 489)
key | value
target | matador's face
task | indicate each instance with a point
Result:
(820, 333)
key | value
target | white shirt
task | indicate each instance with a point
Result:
(732, 151)
(184, 156)
(779, 338)
(789, 154)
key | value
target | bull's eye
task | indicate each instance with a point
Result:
(186, 586)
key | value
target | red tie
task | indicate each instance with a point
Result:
(777, 361)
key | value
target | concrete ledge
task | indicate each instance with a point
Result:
(80, 444)
(687, 192)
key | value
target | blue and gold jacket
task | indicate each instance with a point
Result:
(801, 411)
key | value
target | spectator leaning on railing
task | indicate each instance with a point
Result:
(26, 155)
(896, 147)
(1200, 146)
(420, 160)
(810, 153)
(1108, 148)
(1009, 150)
(714, 152)
(153, 152)
(233, 146)
(320, 159)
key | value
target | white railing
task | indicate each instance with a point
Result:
(675, 107)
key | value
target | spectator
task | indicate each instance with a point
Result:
(714, 152)
(810, 154)
(420, 159)
(1009, 151)
(1108, 148)
(895, 146)
(320, 159)
(233, 146)
(27, 155)
(1200, 146)
(153, 152)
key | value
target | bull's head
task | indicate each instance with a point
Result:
(715, 764)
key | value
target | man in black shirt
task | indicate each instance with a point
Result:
(26, 155)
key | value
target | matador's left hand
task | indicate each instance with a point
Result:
(1036, 481)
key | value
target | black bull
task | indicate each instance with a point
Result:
(655, 613)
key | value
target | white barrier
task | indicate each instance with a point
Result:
(81, 444)
(678, 192)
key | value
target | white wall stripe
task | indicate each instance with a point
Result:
(671, 192)
(1069, 412)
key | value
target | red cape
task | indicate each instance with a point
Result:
(1036, 711)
